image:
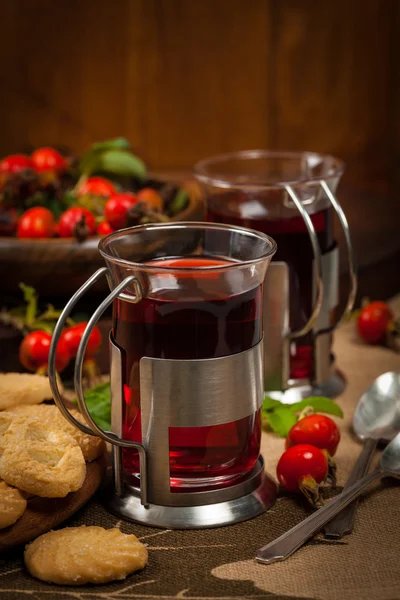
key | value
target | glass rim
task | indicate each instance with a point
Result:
(200, 169)
(186, 225)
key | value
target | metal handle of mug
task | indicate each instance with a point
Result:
(93, 428)
(292, 335)
(318, 259)
(350, 253)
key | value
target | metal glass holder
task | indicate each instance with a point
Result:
(199, 389)
(327, 381)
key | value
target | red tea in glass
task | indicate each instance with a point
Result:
(207, 322)
(248, 189)
(294, 248)
(194, 293)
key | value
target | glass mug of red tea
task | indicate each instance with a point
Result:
(291, 196)
(186, 368)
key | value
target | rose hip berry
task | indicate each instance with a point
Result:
(36, 223)
(15, 163)
(117, 209)
(301, 468)
(77, 222)
(48, 159)
(97, 186)
(374, 322)
(150, 197)
(318, 430)
(104, 228)
(72, 337)
(34, 352)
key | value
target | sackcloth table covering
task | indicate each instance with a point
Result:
(219, 563)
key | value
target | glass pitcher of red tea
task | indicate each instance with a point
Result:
(187, 297)
(289, 195)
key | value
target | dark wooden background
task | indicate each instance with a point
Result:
(183, 79)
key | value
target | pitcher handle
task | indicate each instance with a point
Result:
(93, 428)
(292, 335)
(350, 253)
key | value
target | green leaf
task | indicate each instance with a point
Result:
(179, 202)
(69, 199)
(98, 401)
(319, 404)
(270, 404)
(90, 162)
(122, 163)
(56, 207)
(281, 420)
(31, 299)
(119, 143)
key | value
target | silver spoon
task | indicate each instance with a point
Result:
(292, 540)
(377, 417)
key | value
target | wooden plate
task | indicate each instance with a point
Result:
(58, 267)
(42, 514)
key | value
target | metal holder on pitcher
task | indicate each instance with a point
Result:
(327, 380)
(207, 383)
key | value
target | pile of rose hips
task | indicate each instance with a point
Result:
(77, 221)
(310, 445)
(35, 347)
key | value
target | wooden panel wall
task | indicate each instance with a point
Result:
(184, 79)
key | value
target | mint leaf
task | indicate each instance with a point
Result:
(119, 162)
(98, 401)
(119, 143)
(319, 404)
(270, 404)
(281, 420)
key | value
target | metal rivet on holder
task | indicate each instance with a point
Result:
(92, 427)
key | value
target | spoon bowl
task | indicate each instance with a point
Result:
(377, 414)
(390, 459)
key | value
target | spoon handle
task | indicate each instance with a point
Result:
(343, 523)
(289, 542)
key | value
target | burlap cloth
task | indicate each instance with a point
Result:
(219, 563)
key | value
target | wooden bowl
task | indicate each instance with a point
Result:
(58, 267)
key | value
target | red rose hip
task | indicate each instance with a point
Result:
(36, 223)
(301, 468)
(48, 159)
(318, 430)
(117, 209)
(34, 352)
(374, 322)
(77, 222)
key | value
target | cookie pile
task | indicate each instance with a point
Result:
(41, 453)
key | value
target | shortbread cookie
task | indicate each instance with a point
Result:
(12, 505)
(80, 555)
(92, 446)
(23, 388)
(5, 421)
(40, 460)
